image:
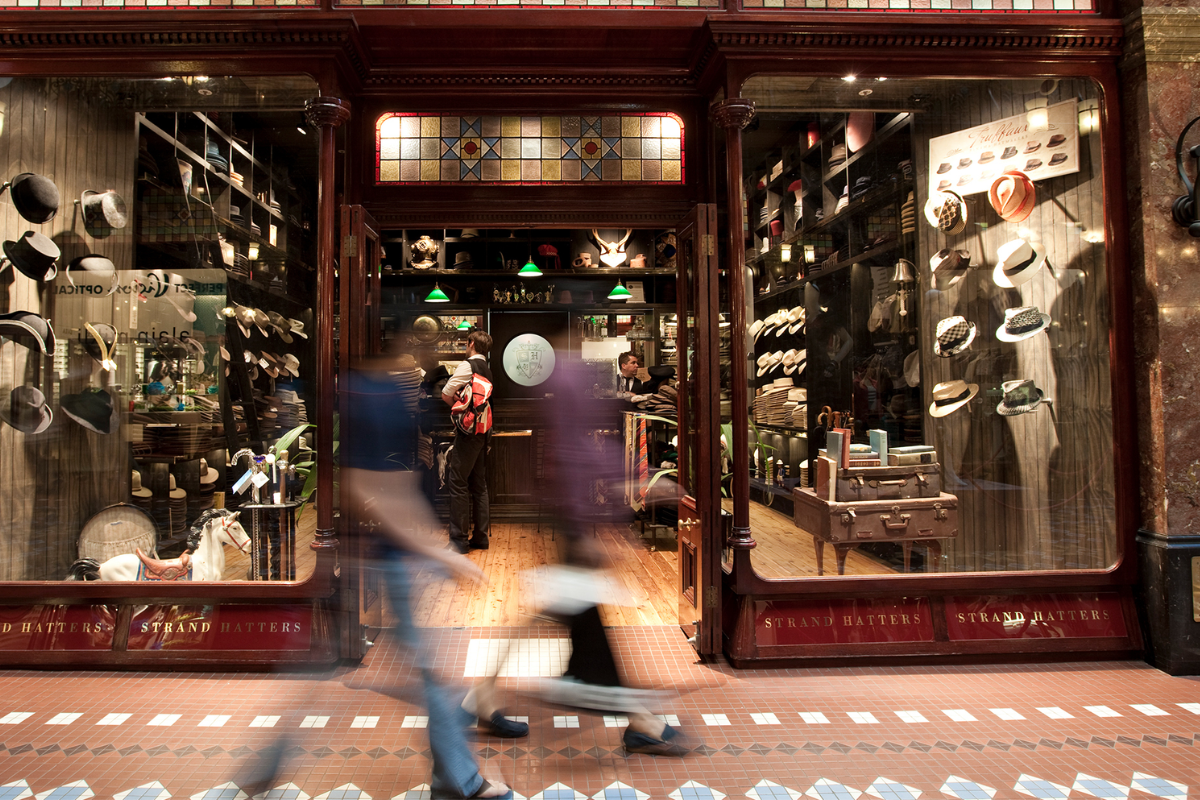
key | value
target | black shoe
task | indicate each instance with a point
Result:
(458, 547)
(672, 743)
(479, 542)
(502, 726)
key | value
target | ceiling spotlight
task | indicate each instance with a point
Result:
(881, 80)
(865, 92)
(849, 78)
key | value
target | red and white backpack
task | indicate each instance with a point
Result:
(472, 408)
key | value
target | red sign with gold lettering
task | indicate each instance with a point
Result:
(57, 627)
(1037, 616)
(222, 627)
(867, 621)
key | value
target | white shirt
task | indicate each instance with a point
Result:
(460, 378)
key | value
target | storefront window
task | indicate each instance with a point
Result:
(930, 379)
(155, 308)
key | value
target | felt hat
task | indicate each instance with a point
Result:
(135, 487)
(463, 259)
(1022, 323)
(1009, 152)
(950, 396)
(291, 364)
(954, 334)
(944, 167)
(99, 340)
(96, 267)
(1058, 158)
(912, 368)
(35, 197)
(986, 157)
(1012, 196)
(469, 233)
(281, 325)
(837, 155)
(207, 473)
(1017, 262)
(21, 324)
(1032, 164)
(297, 328)
(176, 493)
(34, 255)
(92, 408)
(1020, 397)
(26, 410)
(860, 128)
(103, 210)
(1056, 140)
(1032, 147)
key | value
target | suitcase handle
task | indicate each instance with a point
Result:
(897, 482)
(901, 520)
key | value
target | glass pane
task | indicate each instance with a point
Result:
(162, 234)
(929, 317)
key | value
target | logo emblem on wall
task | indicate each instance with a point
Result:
(528, 359)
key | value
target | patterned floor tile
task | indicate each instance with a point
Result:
(1041, 789)
(1168, 790)
(226, 791)
(17, 790)
(964, 789)
(825, 789)
(1098, 787)
(147, 791)
(886, 789)
(621, 791)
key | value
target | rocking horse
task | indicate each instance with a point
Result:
(204, 559)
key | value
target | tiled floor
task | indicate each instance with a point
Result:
(1112, 731)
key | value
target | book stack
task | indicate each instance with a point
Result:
(911, 455)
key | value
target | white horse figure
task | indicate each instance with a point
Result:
(204, 559)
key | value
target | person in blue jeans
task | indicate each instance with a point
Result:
(373, 432)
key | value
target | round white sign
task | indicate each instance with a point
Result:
(528, 359)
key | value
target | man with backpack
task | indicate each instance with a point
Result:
(468, 393)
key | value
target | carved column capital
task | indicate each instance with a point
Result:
(322, 111)
(736, 112)
(740, 539)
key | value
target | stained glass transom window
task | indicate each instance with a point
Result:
(607, 148)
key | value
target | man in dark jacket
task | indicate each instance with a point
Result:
(468, 459)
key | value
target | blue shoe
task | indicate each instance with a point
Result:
(502, 726)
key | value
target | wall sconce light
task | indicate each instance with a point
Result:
(785, 252)
(1089, 116)
(252, 251)
(1037, 113)
(810, 254)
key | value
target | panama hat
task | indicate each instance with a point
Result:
(796, 319)
(954, 334)
(20, 324)
(35, 197)
(34, 254)
(756, 328)
(1020, 397)
(797, 363)
(947, 211)
(784, 382)
(103, 210)
(96, 267)
(27, 410)
(1017, 262)
(950, 396)
(92, 408)
(1022, 323)
(769, 361)
(1012, 196)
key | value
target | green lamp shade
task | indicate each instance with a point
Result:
(619, 292)
(463, 326)
(437, 296)
(530, 270)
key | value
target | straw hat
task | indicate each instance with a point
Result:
(1012, 195)
(1017, 262)
(954, 334)
(1022, 323)
(950, 396)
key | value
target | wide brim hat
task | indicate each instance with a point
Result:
(1013, 196)
(245, 319)
(281, 325)
(799, 362)
(27, 323)
(297, 328)
(756, 328)
(1020, 397)
(950, 396)
(97, 267)
(26, 410)
(860, 128)
(103, 209)
(837, 155)
(784, 382)
(797, 318)
(769, 361)
(1022, 323)
(35, 196)
(954, 335)
(1017, 262)
(92, 408)
(175, 492)
(912, 368)
(292, 364)
(136, 488)
(34, 254)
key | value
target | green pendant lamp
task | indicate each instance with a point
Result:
(619, 292)
(530, 270)
(463, 326)
(437, 295)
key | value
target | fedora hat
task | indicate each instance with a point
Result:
(912, 368)
(784, 382)
(35, 197)
(837, 155)
(769, 361)
(950, 396)
(34, 254)
(1058, 158)
(1017, 262)
(97, 267)
(947, 211)
(103, 210)
(281, 325)
(1008, 153)
(986, 157)
(1022, 323)
(469, 233)
(1056, 140)
(135, 487)
(954, 334)
(207, 473)
(297, 328)
(798, 362)
(19, 324)
(1012, 196)
(99, 342)
(1032, 147)
(1020, 397)
(92, 408)
(860, 129)
(27, 410)
(463, 259)
(795, 318)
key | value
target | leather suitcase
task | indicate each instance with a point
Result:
(856, 484)
(846, 525)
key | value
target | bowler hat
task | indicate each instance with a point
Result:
(97, 267)
(27, 410)
(35, 196)
(34, 254)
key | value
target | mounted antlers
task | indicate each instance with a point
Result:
(612, 253)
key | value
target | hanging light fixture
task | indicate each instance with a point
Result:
(464, 325)
(619, 292)
(437, 295)
(530, 270)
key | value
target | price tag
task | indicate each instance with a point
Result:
(243, 483)
(260, 479)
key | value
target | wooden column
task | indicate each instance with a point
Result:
(326, 114)
(733, 115)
